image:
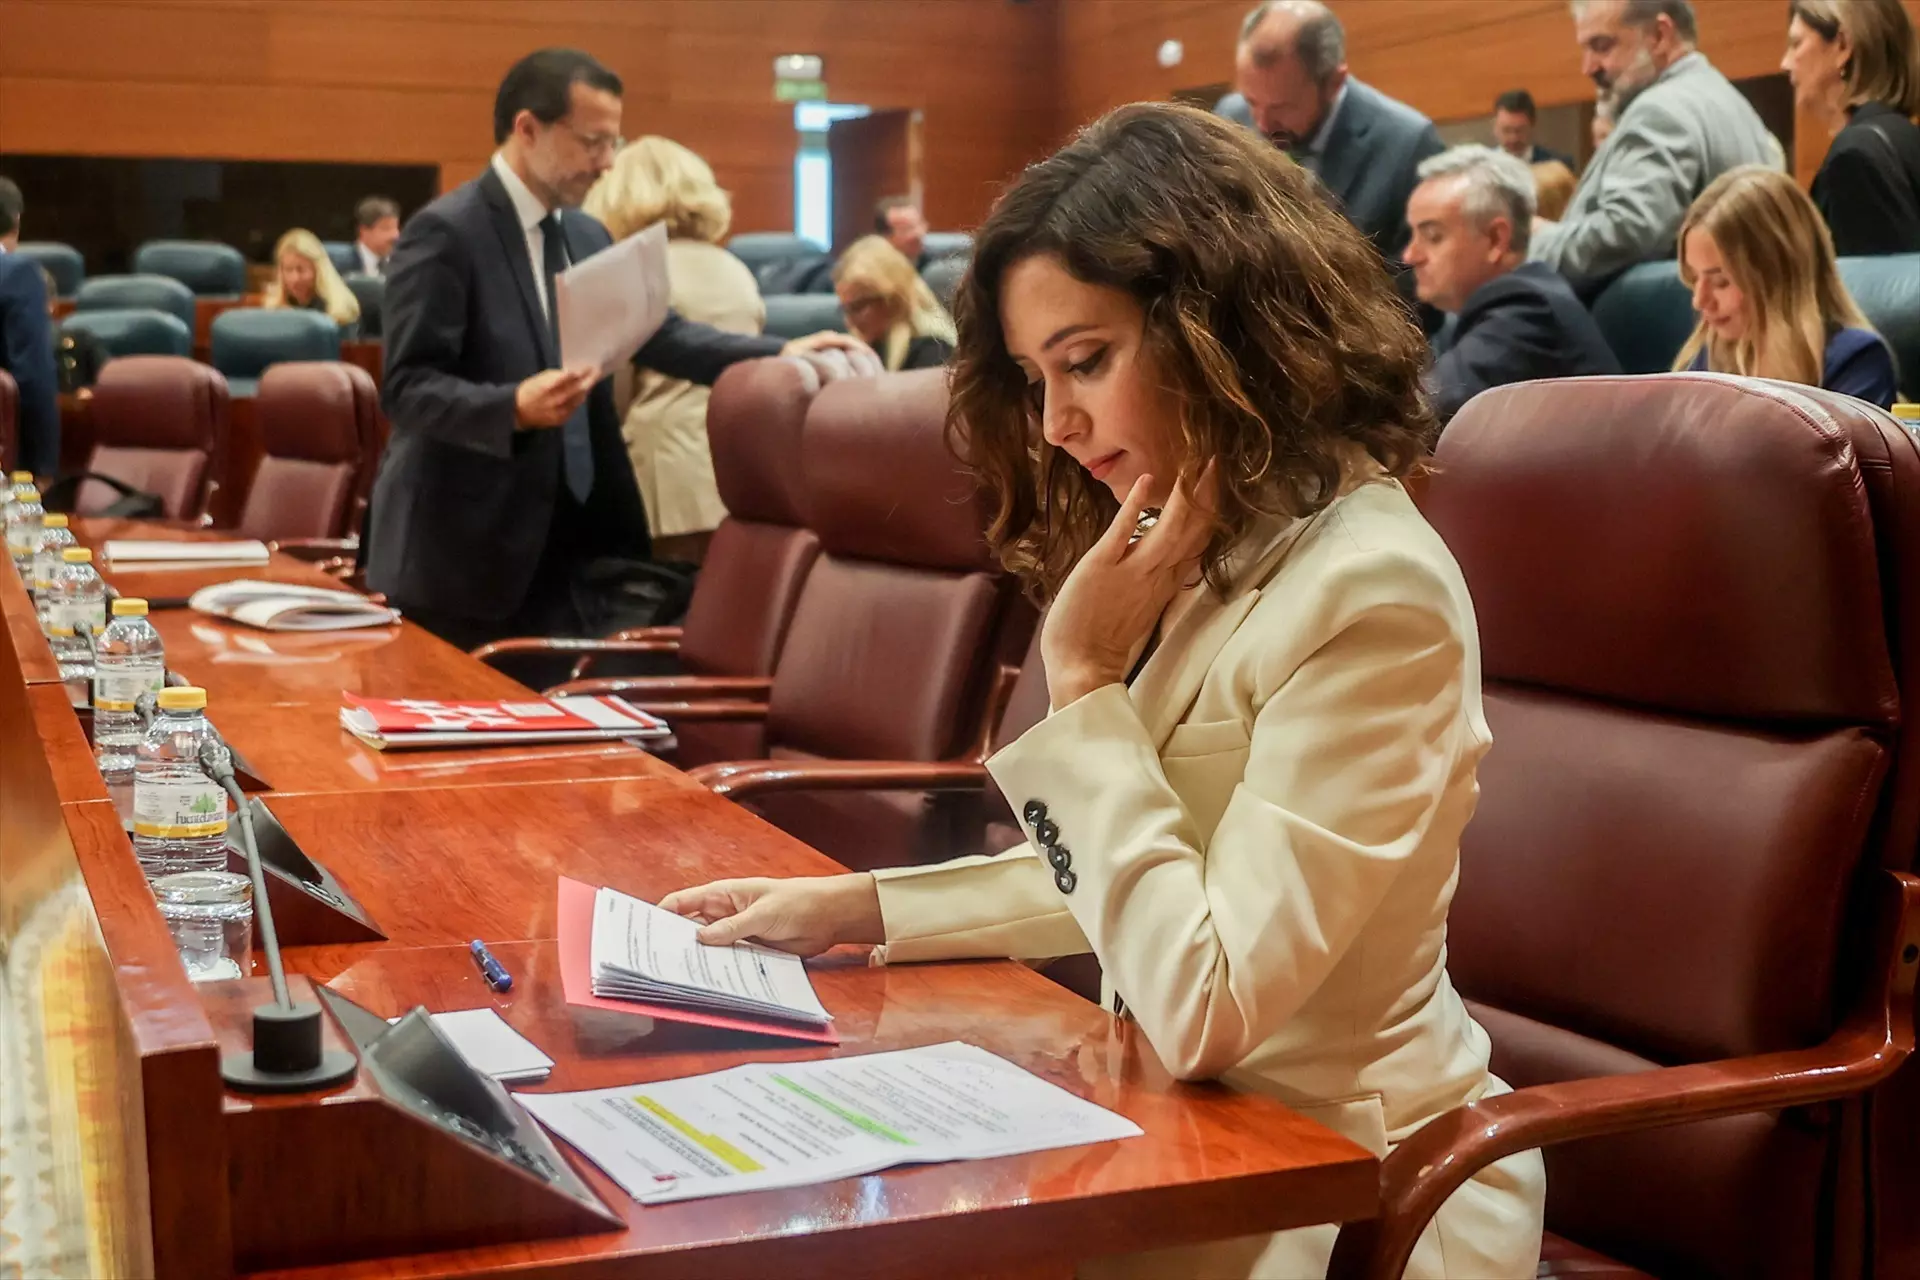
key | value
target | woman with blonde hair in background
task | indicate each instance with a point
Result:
(1553, 185)
(1761, 266)
(305, 279)
(1853, 66)
(653, 180)
(890, 307)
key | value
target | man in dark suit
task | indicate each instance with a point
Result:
(1514, 117)
(1514, 320)
(505, 472)
(376, 229)
(26, 342)
(1290, 67)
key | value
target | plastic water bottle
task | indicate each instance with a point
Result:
(179, 813)
(128, 661)
(76, 613)
(54, 538)
(24, 515)
(19, 483)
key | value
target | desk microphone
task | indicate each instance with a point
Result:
(287, 1056)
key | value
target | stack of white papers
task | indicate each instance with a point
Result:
(282, 606)
(641, 952)
(612, 302)
(490, 1046)
(159, 554)
(770, 1125)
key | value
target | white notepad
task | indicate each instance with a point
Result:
(135, 551)
(490, 1046)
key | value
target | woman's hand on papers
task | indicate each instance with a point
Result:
(804, 916)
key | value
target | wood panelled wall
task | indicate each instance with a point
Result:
(412, 81)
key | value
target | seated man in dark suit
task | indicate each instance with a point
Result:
(26, 342)
(505, 472)
(1290, 67)
(1515, 320)
(1514, 116)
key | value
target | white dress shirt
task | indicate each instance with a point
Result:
(369, 260)
(530, 209)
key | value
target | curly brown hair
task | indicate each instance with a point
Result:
(1273, 320)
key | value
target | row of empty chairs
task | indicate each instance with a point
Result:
(161, 425)
(243, 342)
(208, 268)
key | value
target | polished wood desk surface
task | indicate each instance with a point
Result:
(437, 860)
(1204, 1163)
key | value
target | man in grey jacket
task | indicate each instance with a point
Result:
(1679, 125)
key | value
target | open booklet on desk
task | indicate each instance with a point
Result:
(384, 723)
(282, 606)
(768, 1125)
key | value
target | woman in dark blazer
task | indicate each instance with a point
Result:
(890, 308)
(1852, 62)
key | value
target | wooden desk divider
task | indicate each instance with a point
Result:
(310, 907)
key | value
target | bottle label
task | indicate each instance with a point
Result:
(120, 689)
(179, 810)
(77, 618)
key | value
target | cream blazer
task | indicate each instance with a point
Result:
(1264, 836)
(665, 425)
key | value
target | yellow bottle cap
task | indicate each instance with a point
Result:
(23, 477)
(77, 555)
(54, 520)
(31, 495)
(1907, 412)
(129, 607)
(188, 698)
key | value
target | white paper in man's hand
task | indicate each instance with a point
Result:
(611, 303)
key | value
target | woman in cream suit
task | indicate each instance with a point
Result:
(665, 421)
(1248, 797)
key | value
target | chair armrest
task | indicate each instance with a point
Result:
(1417, 1176)
(560, 644)
(688, 712)
(705, 688)
(747, 778)
(658, 635)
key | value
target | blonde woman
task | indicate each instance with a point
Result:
(890, 308)
(1553, 185)
(1761, 266)
(305, 278)
(665, 424)
(1853, 67)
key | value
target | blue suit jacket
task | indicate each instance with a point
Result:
(1523, 325)
(464, 501)
(26, 352)
(1857, 363)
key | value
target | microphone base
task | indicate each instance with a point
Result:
(287, 1055)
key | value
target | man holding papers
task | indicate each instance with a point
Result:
(506, 471)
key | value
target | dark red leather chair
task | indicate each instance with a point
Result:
(317, 430)
(9, 421)
(1684, 912)
(749, 584)
(159, 425)
(901, 630)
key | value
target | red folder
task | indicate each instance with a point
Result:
(576, 978)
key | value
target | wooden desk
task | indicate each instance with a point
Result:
(220, 1183)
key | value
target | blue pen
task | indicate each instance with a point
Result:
(496, 974)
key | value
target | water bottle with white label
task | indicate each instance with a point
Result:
(179, 813)
(128, 661)
(54, 538)
(76, 613)
(24, 515)
(21, 482)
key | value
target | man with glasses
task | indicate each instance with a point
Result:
(505, 473)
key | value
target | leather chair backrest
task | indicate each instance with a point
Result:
(62, 261)
(159, 293)
(1888, 291)
(795, 315)
(371, 292)
(1693, 678)
(159, 424)
(210, 269)
(943, 277)
(892, 646)
(245, 340)
(781, 262)
(316, 422)
(9, 422)
(341, 254)
(946, 244)
(139, 331)
(1645, 315)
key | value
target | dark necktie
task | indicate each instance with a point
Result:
(576, 442)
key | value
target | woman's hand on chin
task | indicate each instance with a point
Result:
(805, 916)
(1109, 604)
